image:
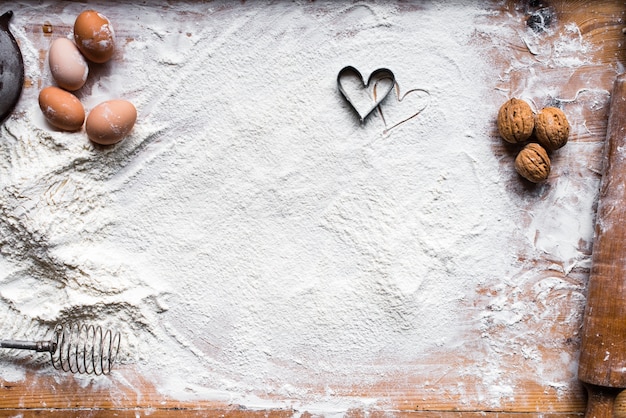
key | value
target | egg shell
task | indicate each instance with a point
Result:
(67, 65)
(61, 108)
(94, 36)
(110, 121)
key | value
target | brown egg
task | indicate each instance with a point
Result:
(61, 108)
(67, 64)
(94, 36)
(110, 122)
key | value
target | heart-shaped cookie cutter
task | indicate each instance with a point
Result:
(364, 107)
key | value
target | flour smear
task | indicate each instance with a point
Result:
(252, 240)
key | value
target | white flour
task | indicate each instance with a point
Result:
(255, 243)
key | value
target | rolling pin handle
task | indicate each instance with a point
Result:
(600, 401)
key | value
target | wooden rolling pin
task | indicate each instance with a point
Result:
(602, 366)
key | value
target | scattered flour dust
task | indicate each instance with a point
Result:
(252, 240)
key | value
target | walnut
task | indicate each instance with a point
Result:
(533, 163)
(516, 121)
(551, 128)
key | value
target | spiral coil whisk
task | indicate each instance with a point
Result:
(84, 349)
(76, 348)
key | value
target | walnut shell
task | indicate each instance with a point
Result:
(533, 163)
(551, 128)
(516, 121)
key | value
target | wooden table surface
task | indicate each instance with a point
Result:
(601, 23)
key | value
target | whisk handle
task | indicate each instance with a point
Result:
(39, 346)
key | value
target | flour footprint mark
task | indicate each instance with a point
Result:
(405, 107)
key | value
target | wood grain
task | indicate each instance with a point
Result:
(602, 363)
(600, 23)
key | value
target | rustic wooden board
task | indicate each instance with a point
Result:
(601, 23)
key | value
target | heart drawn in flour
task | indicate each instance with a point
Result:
(403, 108)
(365, 96)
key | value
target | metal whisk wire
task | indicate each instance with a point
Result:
(84, 349)
(76, 348)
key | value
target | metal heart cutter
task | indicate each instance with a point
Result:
(365, 96)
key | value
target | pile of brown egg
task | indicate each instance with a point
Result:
(94, 41)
